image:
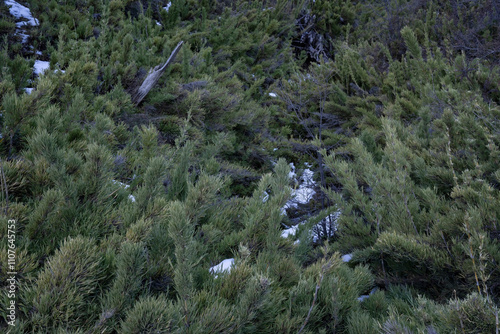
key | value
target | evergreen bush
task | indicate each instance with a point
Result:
(124, 211)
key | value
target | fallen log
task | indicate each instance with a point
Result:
(153, 76)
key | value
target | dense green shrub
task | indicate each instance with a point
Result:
(122, 211)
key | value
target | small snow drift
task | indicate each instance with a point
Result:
(24, 36)
(291, 173)
(347, 257)
(224, 266)
(41, 66)
(23, 17)
(289, 231)
(167, 7)
(20, 12)
(265, 197)
(125, 186)
(363, 297)
(120, 183)
(304, 193)
(326, 227)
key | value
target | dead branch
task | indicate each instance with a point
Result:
(153, 77)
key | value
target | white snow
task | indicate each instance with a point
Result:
(23, 17)
(120, 183)
(292, 174)
(158, 23)
(20, 12)
(38, 53)
(224, 266)
(273, 95)
(317, 230)
(304, 193)
(24, 36)
(275, 149)
(329, 222)
(28, 90)
(363, 297)
(41, 66)
(58, 69)
(167, 7)
(346, 257)
(124, 186)
(289, 231)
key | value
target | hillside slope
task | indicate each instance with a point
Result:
(300, 167)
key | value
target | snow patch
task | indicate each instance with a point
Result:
(317, 231)
(265, 197)
(124, 186)
(224, 266)
(363, 297)
(120, 183)
(28, 90)
(167, 7)
(327, 225)
(289, 231)
(158, 23)
(291, 173)
(347, 257)
(41, 66)
(20, 12)
(273, 95)
(304, 193)
(24, 36)
(59, 69)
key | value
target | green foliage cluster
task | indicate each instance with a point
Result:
(121, 210)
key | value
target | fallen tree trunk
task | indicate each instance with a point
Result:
(153, 77)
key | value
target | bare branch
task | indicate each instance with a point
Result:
(153, 77)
